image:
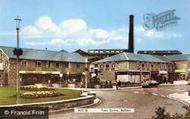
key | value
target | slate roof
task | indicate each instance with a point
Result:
(132, 57)
(160, 52)
(182, 57)
(164, 58)
(34, 54)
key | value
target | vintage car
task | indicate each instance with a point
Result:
(150, 84)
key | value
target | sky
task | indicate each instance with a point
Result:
(92, 24)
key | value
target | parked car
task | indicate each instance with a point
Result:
(150, 84)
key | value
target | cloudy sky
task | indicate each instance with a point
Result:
(87, 24)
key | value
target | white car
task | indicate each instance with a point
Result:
(150, 83)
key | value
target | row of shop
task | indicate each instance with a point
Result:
(139, 77)
(30, 78)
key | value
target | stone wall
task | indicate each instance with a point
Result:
(61, 104)
(107, 70)
(34, 65)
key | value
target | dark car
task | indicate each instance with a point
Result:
(150, 84)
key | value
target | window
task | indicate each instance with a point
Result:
(152, 65)
(57, 65)
(38, 64)
(23, 63)
(107, 65)
(78, 65)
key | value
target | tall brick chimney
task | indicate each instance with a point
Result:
(131, 34)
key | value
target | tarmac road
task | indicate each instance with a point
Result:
(144, 101)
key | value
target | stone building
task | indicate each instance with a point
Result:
(133, 68)
(182, 66)
(98, 54)
(41, 66)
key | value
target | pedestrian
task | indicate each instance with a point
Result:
(116, 85)
(119, 83)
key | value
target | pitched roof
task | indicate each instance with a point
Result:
(164, 58)
(34, 54)
(132, 57)
(182, 57)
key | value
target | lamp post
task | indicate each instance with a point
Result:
(17, 51)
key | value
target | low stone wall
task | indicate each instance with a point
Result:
(61, 104)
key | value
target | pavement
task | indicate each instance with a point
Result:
(104, 89)
(182, 97)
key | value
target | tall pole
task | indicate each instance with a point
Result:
(18, 53)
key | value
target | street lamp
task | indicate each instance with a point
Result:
(17, 51)
(85, 73)
(85, 79)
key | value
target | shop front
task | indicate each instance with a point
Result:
(180, 74)
(132, 76)
(49, 77)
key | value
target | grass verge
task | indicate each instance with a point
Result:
(8, 96)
